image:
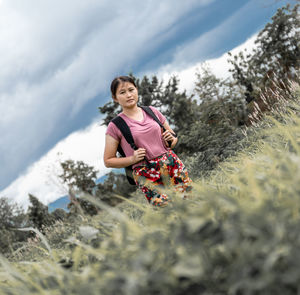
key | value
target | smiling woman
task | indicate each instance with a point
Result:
(154, 163)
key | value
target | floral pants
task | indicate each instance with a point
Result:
(160, 172)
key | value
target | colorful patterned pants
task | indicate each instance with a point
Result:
(158, 173)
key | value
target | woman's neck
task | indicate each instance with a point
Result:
(131, 112)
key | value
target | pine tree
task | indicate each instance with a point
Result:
(179, 108)
(150, 91)
(38, 214)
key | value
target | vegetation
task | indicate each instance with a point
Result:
(276, 54)
(11, 217)
(237, 235)
(81, 178)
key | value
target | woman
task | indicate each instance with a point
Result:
(154, 162)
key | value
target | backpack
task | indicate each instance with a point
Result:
(125, 130)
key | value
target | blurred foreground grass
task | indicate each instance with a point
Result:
(238, 234)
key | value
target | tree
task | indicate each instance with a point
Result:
(180, 109)
(38, 214)
(221, 109)
(80, 177)
(214, 134)
(12, 217)
(220, 100)
(276, 55)
(150, 91)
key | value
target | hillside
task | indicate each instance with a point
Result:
(238, 234)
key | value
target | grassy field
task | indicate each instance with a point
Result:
(237, 234)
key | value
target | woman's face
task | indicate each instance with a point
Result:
(126, 95)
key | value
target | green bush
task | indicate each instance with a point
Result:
(12, 216)
(215, 143)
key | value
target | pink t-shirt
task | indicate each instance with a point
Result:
(147, 134)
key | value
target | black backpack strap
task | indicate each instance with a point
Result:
(153, 116)
(125, 130)
(148, 110)
(122, 125)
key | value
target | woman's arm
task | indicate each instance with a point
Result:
(110, 159)
(167, 135)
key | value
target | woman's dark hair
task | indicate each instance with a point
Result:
(116, 81)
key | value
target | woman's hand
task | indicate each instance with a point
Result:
(167, 136)
(138, 155)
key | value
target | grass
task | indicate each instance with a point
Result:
(237, 235)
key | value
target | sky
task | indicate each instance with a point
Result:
(58, 57)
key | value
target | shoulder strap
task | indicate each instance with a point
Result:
(122, 125)
(151, 114)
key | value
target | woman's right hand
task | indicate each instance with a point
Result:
(138, 155)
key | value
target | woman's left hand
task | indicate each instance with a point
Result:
(167, 136)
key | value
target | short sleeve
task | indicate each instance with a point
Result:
(113, 131)
(159, 115)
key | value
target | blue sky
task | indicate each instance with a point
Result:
(57, 59)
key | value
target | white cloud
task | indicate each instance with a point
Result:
(41, 179)
(219, 66)
(55, 56)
